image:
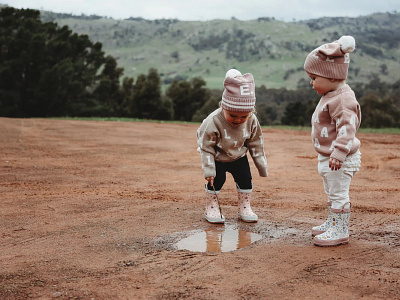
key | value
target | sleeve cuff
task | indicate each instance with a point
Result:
(209, 173)
(338, 155)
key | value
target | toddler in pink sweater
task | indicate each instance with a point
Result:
(335, 122)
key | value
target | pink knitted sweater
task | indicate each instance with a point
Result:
(335, 122)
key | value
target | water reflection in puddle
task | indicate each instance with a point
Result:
(223, 238)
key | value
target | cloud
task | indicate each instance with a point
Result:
(202, 10)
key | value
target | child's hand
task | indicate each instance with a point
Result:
(210, 180)
(334, 164)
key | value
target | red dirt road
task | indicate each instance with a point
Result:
(92, 210)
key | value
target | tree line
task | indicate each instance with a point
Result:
(49, 71)
(379, 101)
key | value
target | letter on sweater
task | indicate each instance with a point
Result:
(349, 144)
(332, 145)
(254, 152)
(353, 120)
(226, 135)
(245, 133)
(316, 118)
(343, 131)
(264, 160)
(316, 143)
(324, 132)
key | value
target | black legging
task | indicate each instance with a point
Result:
(240, 170)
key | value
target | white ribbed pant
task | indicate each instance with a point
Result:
(336, 183)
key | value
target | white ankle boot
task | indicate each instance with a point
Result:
(212, 212)
(323, 227)
(245, 212)
(337, 233)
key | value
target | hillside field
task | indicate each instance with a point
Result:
(273, 51)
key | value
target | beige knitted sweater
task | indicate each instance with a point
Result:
(334, 124)
(219, 141)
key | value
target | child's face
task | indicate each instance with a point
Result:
(235, 118)
(322, 85)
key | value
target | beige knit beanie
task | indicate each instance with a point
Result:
(331, 60)
(239, 94)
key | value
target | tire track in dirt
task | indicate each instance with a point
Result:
(320, 268)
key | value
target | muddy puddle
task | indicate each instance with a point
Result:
(220, 238)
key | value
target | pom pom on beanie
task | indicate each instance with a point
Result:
(331, 60)
(347, 43)
(233, 73)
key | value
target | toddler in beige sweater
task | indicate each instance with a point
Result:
(224, 138)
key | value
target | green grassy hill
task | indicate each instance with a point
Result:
(274, 51)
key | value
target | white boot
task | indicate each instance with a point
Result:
(212, 212)
(323, 227)
(337, 233)
(245, 212)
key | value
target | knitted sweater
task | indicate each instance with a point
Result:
(219, 141)
(335, 122)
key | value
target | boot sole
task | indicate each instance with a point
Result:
(332, 243)
(248, 219)
(215, 220)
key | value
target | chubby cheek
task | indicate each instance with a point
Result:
(318, 91)
(316, 86)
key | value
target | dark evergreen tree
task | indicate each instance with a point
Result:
(209, 106)
(379, 112)
(109, 91)
(127, 102)
(295, 114)
(147, 100)
(187, 97)
(45, 70)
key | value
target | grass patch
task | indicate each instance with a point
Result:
(307, 128)
(380, 130)
(114, 119)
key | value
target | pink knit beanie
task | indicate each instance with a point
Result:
(331, 60)
(239, 94)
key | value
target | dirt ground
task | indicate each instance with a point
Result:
(93, 210)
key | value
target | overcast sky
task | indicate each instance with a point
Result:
(203, 10)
